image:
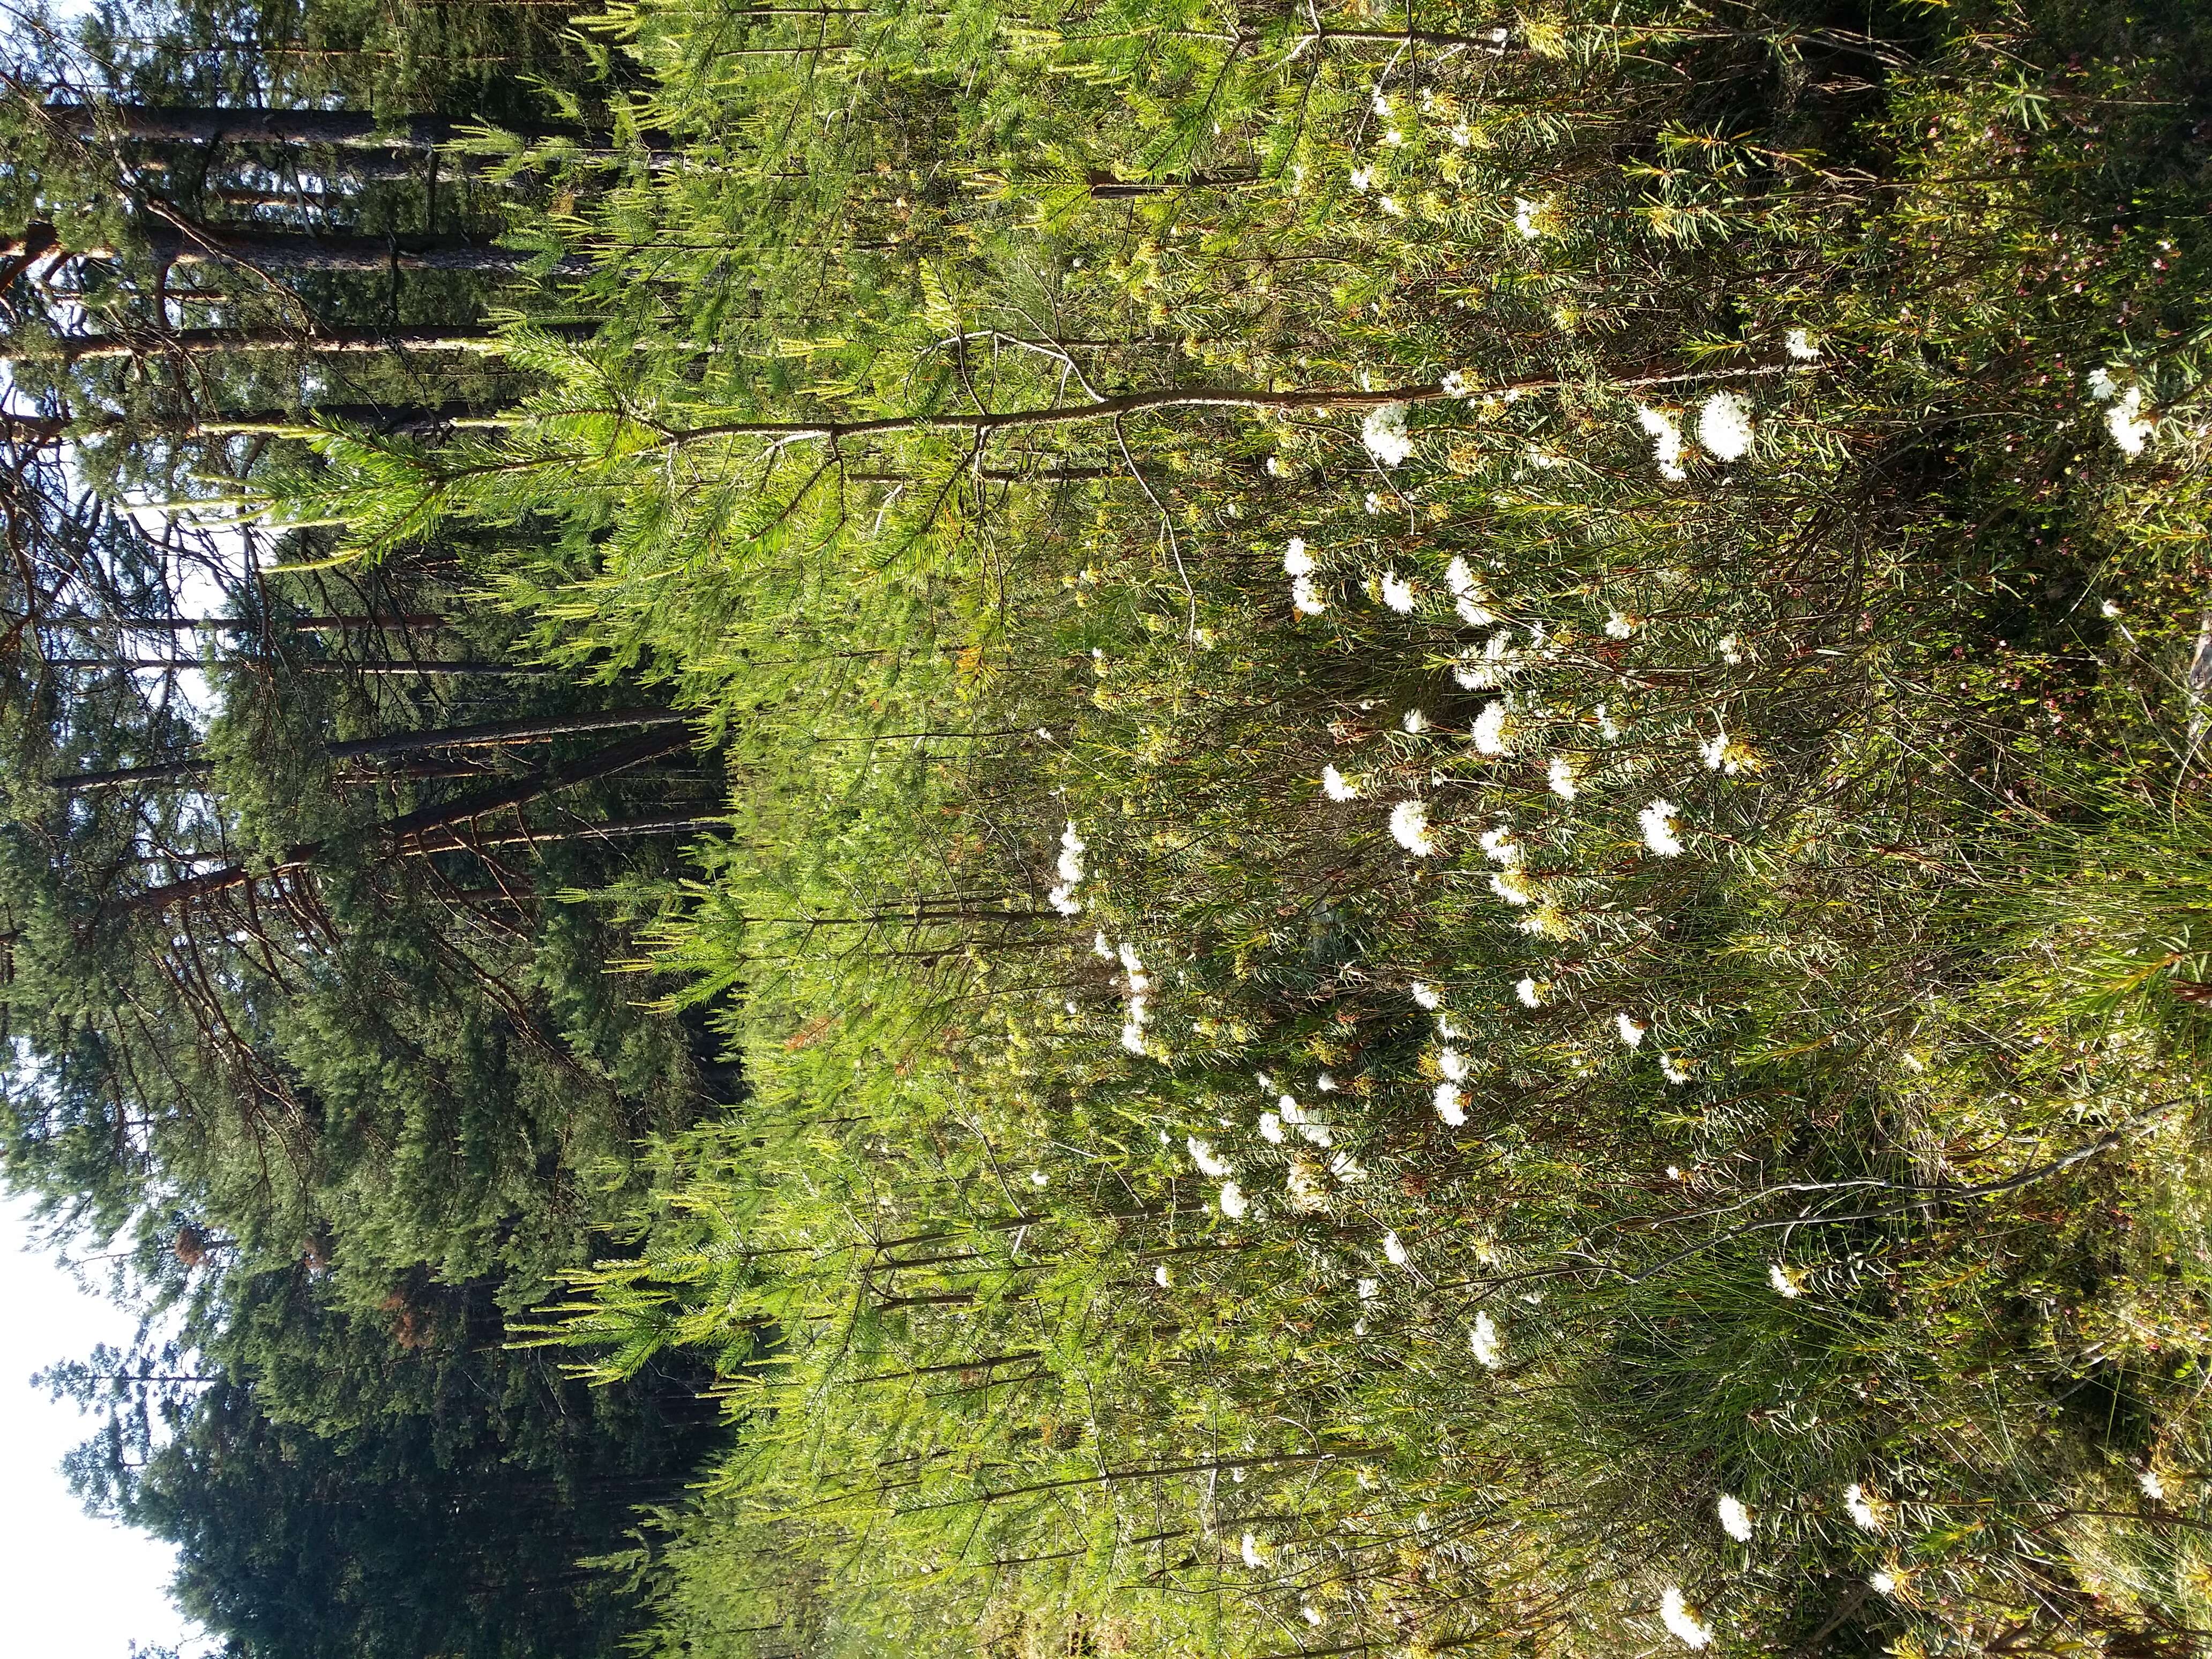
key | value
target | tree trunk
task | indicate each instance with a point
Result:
(202, 341)
(355, 167)
(623, 829)
(499, 733)
(418, 832)
(415, 419)
(38, 430)
(340, 129)
(1105, 187)
(401, 666)
(249, 624)
(1164, 398)
(343, 130)
(493, 734)
(294, 251)
(17, 257)
(239, 196)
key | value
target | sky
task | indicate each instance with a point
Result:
(72, 1587)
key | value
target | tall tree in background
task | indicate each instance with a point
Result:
(238, 209)
(308, 1034)
(396, 1483)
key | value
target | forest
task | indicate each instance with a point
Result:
(1220, 828)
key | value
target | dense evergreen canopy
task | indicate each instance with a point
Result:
(311, 1040)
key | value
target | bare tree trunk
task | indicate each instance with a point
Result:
(405, 666)
(624, 830)
(42, 430)
(492, 734)
(251, 624)
(497, 734)
(339, 129)
(199, 341)
(418, 419)
(419, 832)
(277, 251)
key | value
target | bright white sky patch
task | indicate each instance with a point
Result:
(207, 558)
(74, 1586)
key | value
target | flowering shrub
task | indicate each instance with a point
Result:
(1488, 934)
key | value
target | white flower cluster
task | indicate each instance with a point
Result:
(1298, 566)
(1384, 433)
(1137, 986)
(1070, 871)
(1209, 1163)
(1724, 427)
(1409, 828)
(1729, 755)
(1681, 1623)
(1469, 597)
(1865, 1511)
(1735, 1519)
(1451, 1104)
(1666, 434)
(1490, 668)
(1482, 1338)
(1724, 430)
(1493, 730)
(1662, 829)
(1509, 882)
(1302, 1185)
(1310, 1128)
(2131, 428)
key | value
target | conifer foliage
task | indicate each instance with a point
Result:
(310, 1045)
